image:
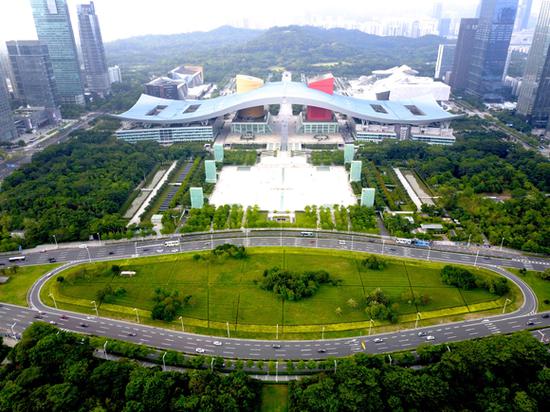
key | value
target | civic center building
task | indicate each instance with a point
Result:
(324, 113)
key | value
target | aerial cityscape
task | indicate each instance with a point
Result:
(207, 207)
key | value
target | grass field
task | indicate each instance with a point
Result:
(15, 291)
(274, 398)
(539, 286)
(224, 291)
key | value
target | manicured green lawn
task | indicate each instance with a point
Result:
(274, 398)
(15, 291)
(539, 286)
(225, 290)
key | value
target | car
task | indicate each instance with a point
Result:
(199, 350)
(421, 333)
(89, 317)
(52, 260)
(43, 251)
(53, 322)
(352, 341)
(38, 316)
(546, 315)
(111, 252)
(430, 337)
(174, 250)
(131, 334)
(485, 320)
(41, 313)
(276, 346)
(160, 250)
(378, 340)
(146, 249)
(64, 317)
(2, 264)
(392, 249)
(530, 322)
(341, 242)
(217, 343)
(321, 350)
(83, 325)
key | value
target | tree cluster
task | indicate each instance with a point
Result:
(108, 294)
(379, 306)
(464, 279)
(500, 373)
(55, 371)
(231, 251)
(294, 286)
(373, 262)
(168, 304)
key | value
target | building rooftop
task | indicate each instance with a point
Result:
(154, 110)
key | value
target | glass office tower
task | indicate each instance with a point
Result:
(93, 52)
(54, 29)
(541, 108)
(490, 52)
(463, 54)
(7, 126)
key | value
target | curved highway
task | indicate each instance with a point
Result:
(14, 318)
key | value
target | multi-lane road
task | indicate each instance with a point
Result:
(15, 319)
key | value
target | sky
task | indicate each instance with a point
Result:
(127, 18)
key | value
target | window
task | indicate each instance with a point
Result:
(378, 108)
(192, 108)
(156, 110)
(52, 7)
(415, 110)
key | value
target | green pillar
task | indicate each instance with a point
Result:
(349, 153)
(355, 173)
(367, 197)
(218, 152)
(197, 197)
(210, 170)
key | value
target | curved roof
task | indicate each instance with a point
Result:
(149, 109)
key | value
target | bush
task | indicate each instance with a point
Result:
(168, 304)
(459, 277)
(374, 263)
(294, 286)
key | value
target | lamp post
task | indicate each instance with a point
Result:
(429, 251)
(55, 240)
(370, 326)
(477, 256)
(469, 239)
(95, 307)
(137, 314)
(277, 333)
(99, 237)
(383, 243)
(418, 317)
(501, 244)
(181, 319)
(164, 363)
(228, 334)
(53, 298)
(13, 330)
(323, 334)
(105, 349)
(89, 255)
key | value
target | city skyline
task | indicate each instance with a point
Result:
(17, 23)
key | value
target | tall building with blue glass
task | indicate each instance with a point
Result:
(7, 127)
(54, 29)
(490, 52)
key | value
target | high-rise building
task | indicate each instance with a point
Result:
(93, 52)
(115, 76)
(540, 116)
(54, 29)
(437, 11)
(33, 72)
(7, 126)
(444, 27)
(535, 62)
(524, 14)
(463, 54)
(444, 64)
(491, 43)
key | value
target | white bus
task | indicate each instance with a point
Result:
(17, 258)
(401, 241)
(170, 243)
(306, 234)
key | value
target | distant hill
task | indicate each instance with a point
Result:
(302, 49)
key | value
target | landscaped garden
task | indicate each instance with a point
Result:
(212, 289)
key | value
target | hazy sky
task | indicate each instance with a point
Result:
(126, 18)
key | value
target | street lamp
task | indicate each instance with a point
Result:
(277, 335)
(95, 307)
(383, 243)
(429, 251)
(505, 303)
(105, 349)
(99, 237)
(501, 243)
(13, 330)
(53, 298)
(89, 255)
(418, 317)
(137, 314)
(477, 256)
(370, 326)
(164, 363)
(181, 319)
(55, 240)
(323, 334)
(228, 334)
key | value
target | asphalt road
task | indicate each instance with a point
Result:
(15, 319)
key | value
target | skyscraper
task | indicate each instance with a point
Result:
(463, 54)
(541, 109)
(33, 72)
(437, 11)
(7, 127)
(114, 74)
(54, 29)
(445, 59)
(535, 62)
(93, 53)
(491, 43)
(524, 14)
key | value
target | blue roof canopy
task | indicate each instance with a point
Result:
(154, 110)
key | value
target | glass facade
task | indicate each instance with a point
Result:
(541, 108)
(367, 197)
(169, 135)
(349, 153)
(33, 71)
(490, 51)
(53, 26)
(7, 127)
(535, 62)
(197, 197)
(355, 173)
(463, 54)
(93, 52)
(210, 171)
(218, 152)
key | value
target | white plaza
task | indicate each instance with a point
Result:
(283, 183)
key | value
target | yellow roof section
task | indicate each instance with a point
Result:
(247, 83)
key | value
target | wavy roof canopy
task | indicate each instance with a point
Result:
(149, 109)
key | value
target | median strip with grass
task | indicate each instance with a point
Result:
(20, 281)
(224, 291)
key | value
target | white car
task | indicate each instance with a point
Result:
(217, 343)
(160, 250)
(341, 242)
(174, 250)
(199, 350)
(378, 340)
(53, 322)
(430, 337)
